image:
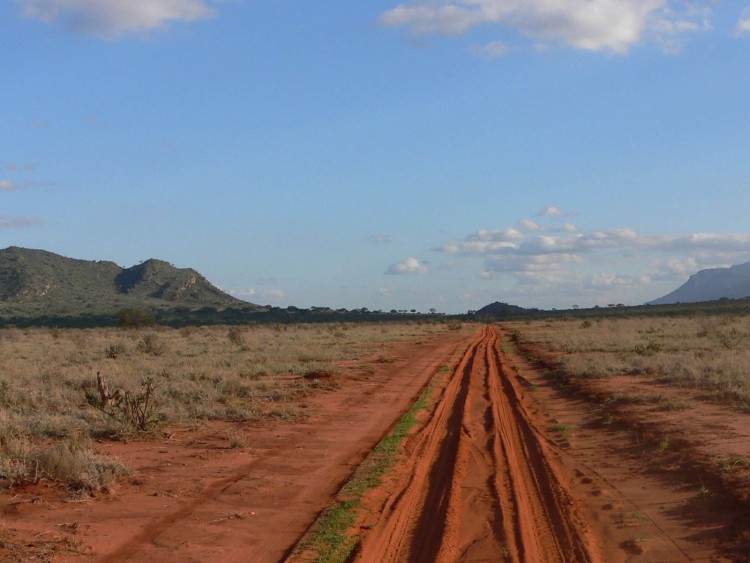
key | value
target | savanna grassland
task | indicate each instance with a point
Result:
(611, 439)
(711, 353)
(226, 442)
(51, 410)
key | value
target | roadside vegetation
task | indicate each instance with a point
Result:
(705, 352)
(53, 408)
(329, 539)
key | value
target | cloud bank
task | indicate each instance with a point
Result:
(592, 25)
(567, 260)
(110, 19)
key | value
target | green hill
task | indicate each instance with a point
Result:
(37, 282)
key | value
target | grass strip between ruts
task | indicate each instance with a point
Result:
(328, 536)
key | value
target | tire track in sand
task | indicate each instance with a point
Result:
(480, 483)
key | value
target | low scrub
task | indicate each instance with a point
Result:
(159, 376)
(72, 462)
(710, 353)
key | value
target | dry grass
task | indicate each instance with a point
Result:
(711, 353)
(238, 373)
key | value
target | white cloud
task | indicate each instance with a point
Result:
(675, 269)
(410, 266)
(497, 245)
(743, 26)
(529, 225)
(6, 185)
(604, 262)
(274, 294)
(491, 50)
(20, 222)
(110, 19)
(549, 211)
(609, 280)
(593, 25)
(243, 293)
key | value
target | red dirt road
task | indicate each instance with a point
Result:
(510, 464)
(193, 498)
(513, 465)
(481, 484)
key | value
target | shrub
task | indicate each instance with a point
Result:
(114, 351)
(151, 344)
(135, 318)
(71, 462)
(78, 466)
(236, 336)
(649, 349)
(134, 410)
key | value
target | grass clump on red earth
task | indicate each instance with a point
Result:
(157, 376)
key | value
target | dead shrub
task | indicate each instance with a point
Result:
(135, 410)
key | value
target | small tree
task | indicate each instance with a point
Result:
(135, 318)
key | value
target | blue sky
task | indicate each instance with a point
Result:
(431, 153)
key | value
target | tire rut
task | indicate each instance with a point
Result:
(480, 484)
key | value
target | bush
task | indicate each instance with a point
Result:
(78, 466)
(134, 410)
(236, 336)
(135, 318)
(151, 344)
(651, 348)
(114, 351)
(71, 462)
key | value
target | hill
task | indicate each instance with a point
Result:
(501, 310)
(36, 282)
(711, 285)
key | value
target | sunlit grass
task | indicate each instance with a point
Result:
(199, 374)
(710, 353)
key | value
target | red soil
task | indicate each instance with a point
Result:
(512, 463)
(513, 466)
(193, 498)
(481, 483)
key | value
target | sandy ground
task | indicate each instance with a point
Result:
(513, 463)
(193, 498)
(515, 466)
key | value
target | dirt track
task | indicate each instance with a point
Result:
(193, 498)
(481, 485)
(491, 475)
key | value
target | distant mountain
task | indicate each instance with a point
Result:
(710, 285)
(37, 281)
(499, 309)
